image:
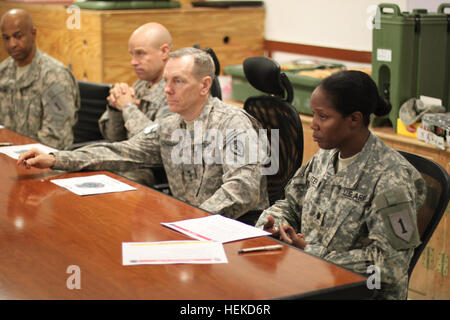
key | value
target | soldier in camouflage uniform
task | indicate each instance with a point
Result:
(39, 96)
(231, 188)
(132, 109)
(355, 202)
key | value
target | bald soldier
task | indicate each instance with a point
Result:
(131, 109)
(202, 144)
(39, 96)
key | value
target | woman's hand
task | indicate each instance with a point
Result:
(269, 227)
(288, 235)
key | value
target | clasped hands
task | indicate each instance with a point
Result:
(285, 233)
(120, 95)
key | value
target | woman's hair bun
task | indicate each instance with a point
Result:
(382, 108)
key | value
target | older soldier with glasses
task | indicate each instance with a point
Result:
(39, 96)
(205, 145)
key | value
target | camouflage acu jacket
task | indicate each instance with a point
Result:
(364, 215)
(43, 103)
(118, 125)
(201, 169)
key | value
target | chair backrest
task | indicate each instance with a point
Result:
(93, 103)
(275, 111)
(215, 90)
(438, 188)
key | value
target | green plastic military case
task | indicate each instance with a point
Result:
(440, 10)
(408, 56)
(240, 88)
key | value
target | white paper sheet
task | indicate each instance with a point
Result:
(95, 184)
(15, 151)
(216, 228)
(171, 252)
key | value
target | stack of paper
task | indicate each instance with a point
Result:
(211, 232)
(216, 228)
(170, 252)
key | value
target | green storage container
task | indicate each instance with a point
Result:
(408, 56)
(440, 10)
(303, 86)
(308, 65)
(240, 88)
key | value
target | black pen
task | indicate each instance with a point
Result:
(6, 144)
(265, 248)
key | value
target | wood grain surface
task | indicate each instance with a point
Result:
(45, 229)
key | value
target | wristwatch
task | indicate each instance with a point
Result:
(129, 104)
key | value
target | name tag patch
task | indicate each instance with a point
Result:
(356, 196)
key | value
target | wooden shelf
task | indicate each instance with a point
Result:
(98, 49)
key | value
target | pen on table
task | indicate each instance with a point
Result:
(5, 144)
(264, 248)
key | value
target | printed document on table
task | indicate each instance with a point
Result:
(15, 151)
(95, 184)
(216, 228)
(170, 252)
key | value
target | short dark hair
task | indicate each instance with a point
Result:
(203, 63)
(352, 91)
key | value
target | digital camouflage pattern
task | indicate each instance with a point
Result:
(42, 104)
(363, 215)
(118, 125)
(231, 189)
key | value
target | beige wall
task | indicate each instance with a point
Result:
(327, 23)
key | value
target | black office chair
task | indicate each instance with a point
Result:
(275, 111)
(438, 191)
(215, 90)
(93, 104)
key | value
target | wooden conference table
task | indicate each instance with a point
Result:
(45, 229)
